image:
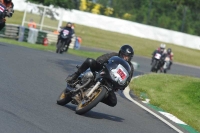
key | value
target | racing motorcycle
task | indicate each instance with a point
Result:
(64, 40)
(92, 87)
(166, 64)
(157, 62)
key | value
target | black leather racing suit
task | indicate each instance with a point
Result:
(96, 65)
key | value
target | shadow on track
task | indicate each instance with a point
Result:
(97, 115)
(2, 44)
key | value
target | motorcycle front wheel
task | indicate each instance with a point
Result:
(154, 66)
(166, 66)
(95, 98)
(59, 47)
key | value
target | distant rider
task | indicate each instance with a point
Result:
(6, 10)
(126, 52)
(171, 56)
(67, 30)
(160, 50)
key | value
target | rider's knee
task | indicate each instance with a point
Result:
(90, 61)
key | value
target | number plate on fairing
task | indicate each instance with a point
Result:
(157, 56)
(119, 74)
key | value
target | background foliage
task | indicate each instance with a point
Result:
(178, 15)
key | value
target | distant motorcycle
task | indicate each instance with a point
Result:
(63, 41)
(91, 88)
(166, 64)
(157, 62)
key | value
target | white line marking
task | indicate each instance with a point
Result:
(172, 117)
(126, 93)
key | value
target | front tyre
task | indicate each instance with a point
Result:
(64, 98)
(59, 47)
(154, 66)
(96, 97)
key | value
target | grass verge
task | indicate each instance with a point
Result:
(51, 48)
(178, 95)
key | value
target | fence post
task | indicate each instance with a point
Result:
(43, 15)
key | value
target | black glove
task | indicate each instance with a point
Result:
(100, 61)
(7, 13)
(11, 13)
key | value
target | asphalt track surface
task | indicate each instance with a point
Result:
(30, 82)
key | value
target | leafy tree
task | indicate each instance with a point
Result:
(83, 5)
(67, 4)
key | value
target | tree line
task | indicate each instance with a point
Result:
(177, 15)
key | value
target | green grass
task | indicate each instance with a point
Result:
(51, 48)
(178, 95)
(98, 38)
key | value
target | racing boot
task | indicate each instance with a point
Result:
(72, 77)
(86, 64)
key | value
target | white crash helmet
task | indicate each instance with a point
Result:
(162, 46)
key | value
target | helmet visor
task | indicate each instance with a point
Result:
(125, 56)
(162, 49)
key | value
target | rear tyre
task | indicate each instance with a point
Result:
(64, 98)
(165, 71)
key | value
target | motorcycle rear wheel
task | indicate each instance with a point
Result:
(63, 98)
(165, 70)
(97, 96)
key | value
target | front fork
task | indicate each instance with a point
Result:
(96, 87)
(93, 89)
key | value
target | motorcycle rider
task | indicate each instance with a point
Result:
(126, 52)
(160, 50)
(6, 9)
(70, 32)
(171, 56)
